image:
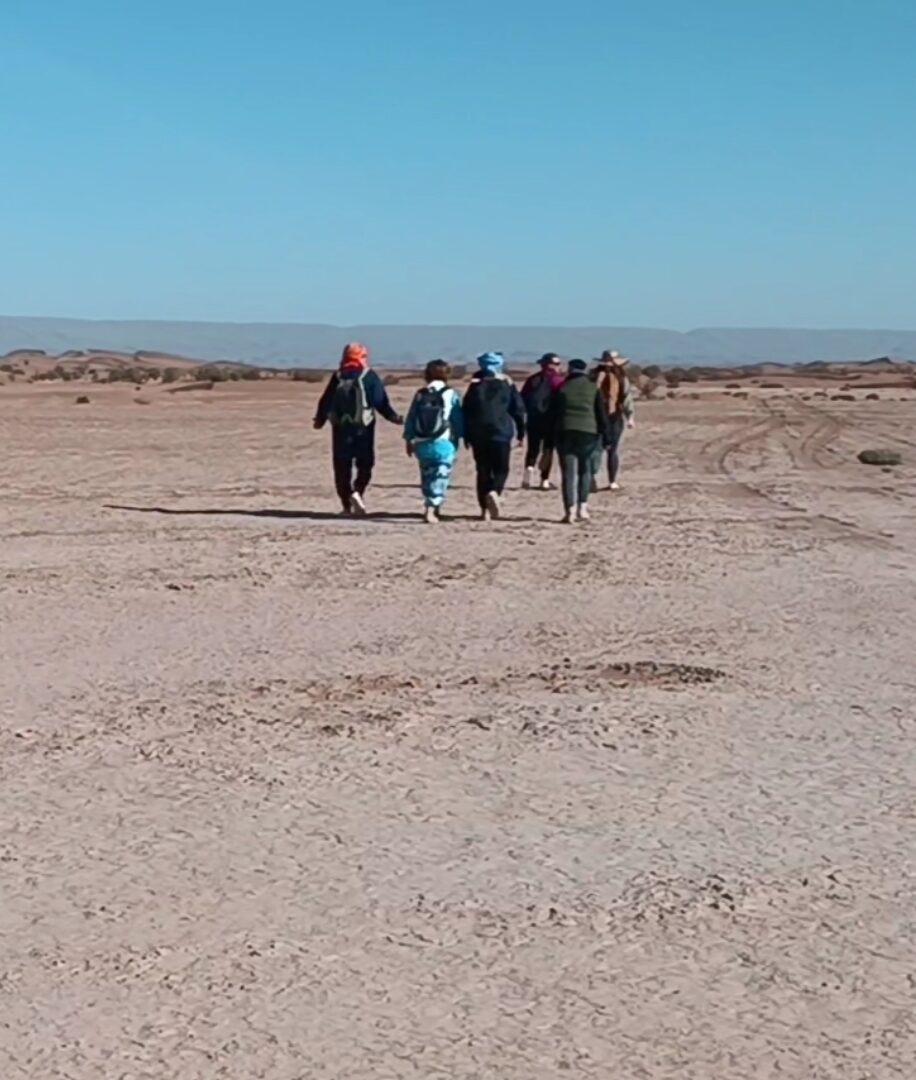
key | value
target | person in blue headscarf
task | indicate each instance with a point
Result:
(494, 414)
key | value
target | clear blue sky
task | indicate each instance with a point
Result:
(663, 163)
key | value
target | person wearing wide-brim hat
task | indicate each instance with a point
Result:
(615, 389)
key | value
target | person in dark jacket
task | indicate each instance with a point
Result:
(494, 413)
(352, 397)
(537, 393)
(581, 426)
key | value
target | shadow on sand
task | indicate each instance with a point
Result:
(379, 517)
(282, 515)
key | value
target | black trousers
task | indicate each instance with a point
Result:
(352, 448)
(539, 447)
(492, 460)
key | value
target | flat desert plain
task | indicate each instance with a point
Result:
(292, 797)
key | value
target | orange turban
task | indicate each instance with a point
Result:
(355, 357)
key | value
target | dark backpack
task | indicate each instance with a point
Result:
(493, 397)
(430, 419)
(541, 397)
(350, 403)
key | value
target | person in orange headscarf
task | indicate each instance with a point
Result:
(352, 397)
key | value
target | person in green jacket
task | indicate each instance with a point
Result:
(581, 426)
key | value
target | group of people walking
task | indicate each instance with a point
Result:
(576, 415)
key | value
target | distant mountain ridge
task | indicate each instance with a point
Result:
(319, 345)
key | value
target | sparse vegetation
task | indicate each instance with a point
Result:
(211, 373)
(649, 389)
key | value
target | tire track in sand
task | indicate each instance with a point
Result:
(825, 429)
(720, 451)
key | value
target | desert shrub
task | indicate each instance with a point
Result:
(872, 397)
(250, 374)
(733, 386)
(692, 375)
(880, 457)
(153, 373)
(842, 397)
(171, 375)
(307, 375)
(211, 373)
(649, 388)
(459, 371)
(634, 371)
(772, 386)
(82, 400)
(126, 374)
(653, 371)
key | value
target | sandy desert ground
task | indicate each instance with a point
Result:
(290, 797)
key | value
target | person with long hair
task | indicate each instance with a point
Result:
(610, 375)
